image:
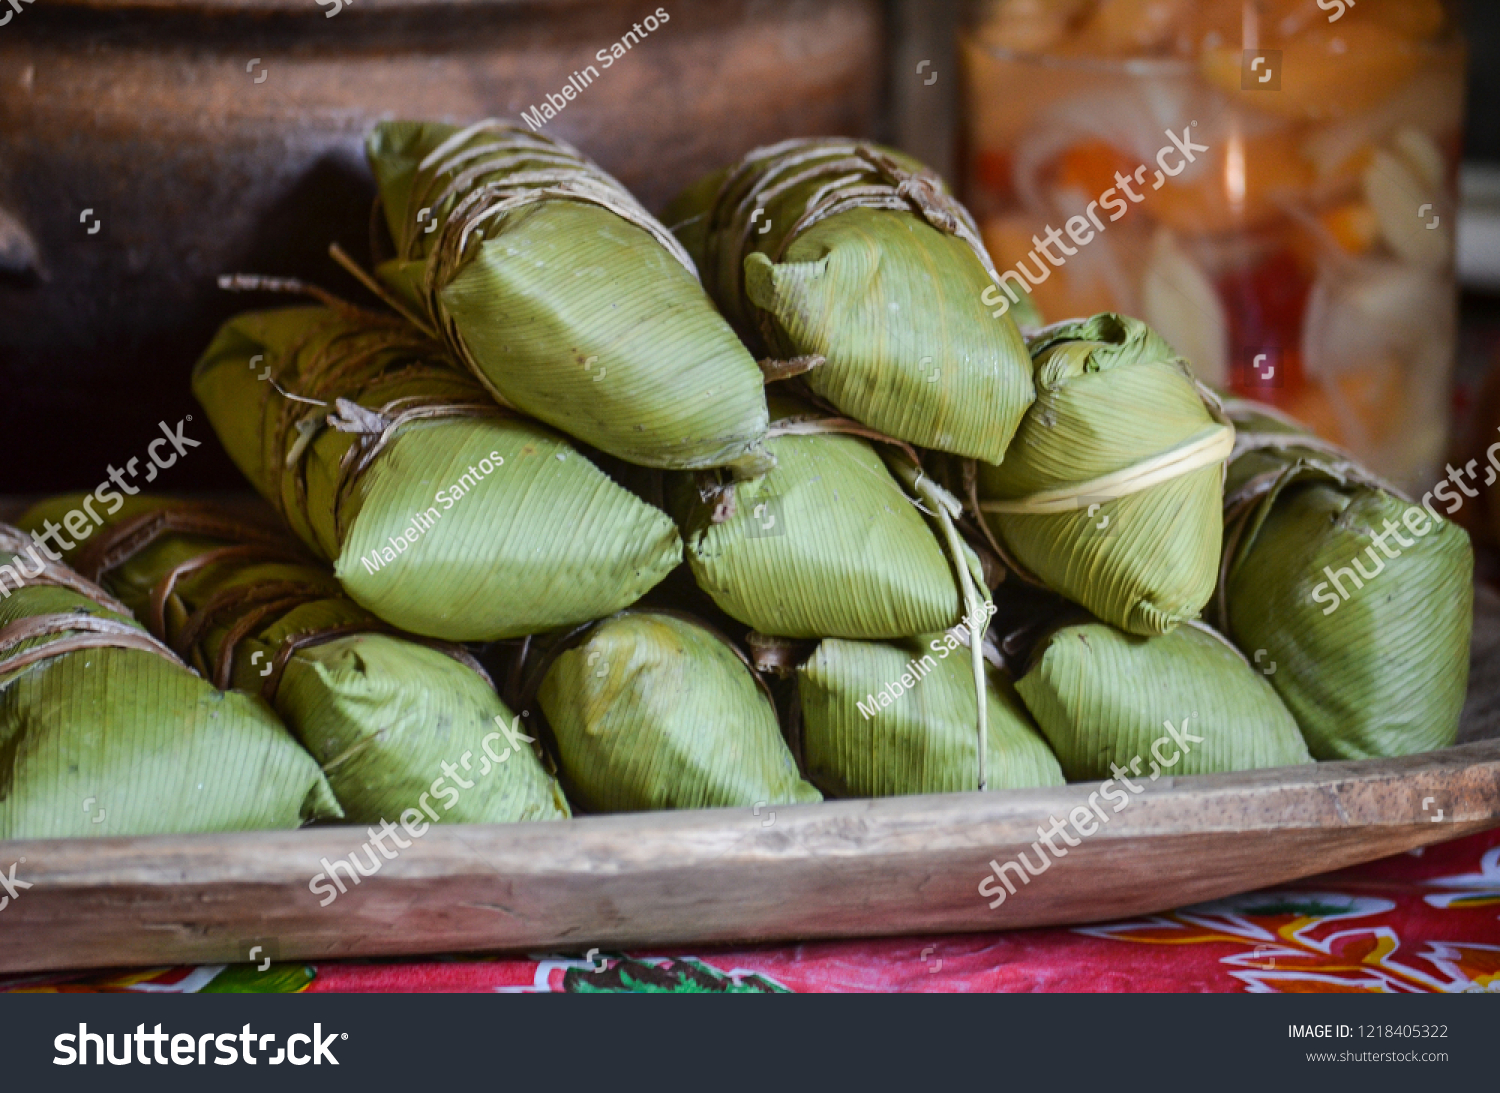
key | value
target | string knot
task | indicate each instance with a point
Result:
(354, 418)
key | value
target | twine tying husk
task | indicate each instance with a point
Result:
(55, 573)
(773, 370)
(845, 169)
(249, 543)
(487, 169)
(374, 429)
(88, 631)
(1301, 454)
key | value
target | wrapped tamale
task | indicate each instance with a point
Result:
(1356, 602)
(828, 544)
(881, 719)
(853, 557)
(383, 712)
(856, 259)
(1112, 490)
(563, 295)
(1185, 702)
(442, 513)
(104, 731)
(650, 710)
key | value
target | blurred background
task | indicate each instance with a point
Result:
(1333, 247)
(1284, 177)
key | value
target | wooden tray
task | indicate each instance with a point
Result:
(905, 865)
(838, 869)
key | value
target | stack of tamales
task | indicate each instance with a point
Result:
(104, 731)
(381, 711)
(940, 557)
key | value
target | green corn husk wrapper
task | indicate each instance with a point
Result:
(921, 739)
(1104, 697)
(882, 276)
(651, 711)
(109, 740)
(1383, 672)
(380, 711)
(422, 535)
(564, 296)
(1112, 491)
(826, 545)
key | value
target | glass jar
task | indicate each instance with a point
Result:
(1270, 183)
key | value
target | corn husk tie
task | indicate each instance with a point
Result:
(850, 175)
(655, 709)
(344, 365)
(847, 184)
(1259, 426)
(1112, 491)
(968, 474)
(568, 175)
(1280, 451)
(343, 351)
(856, 260)
(378, 708)
(943, 507)
(84, 714)
(241, 610)
(464, 163)
(563, 296)
(1372, 664)
(14, 542)
(374, 429)
(87, 631)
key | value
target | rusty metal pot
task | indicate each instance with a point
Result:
(147, 146)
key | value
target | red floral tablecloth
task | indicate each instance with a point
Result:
(1424, 921)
